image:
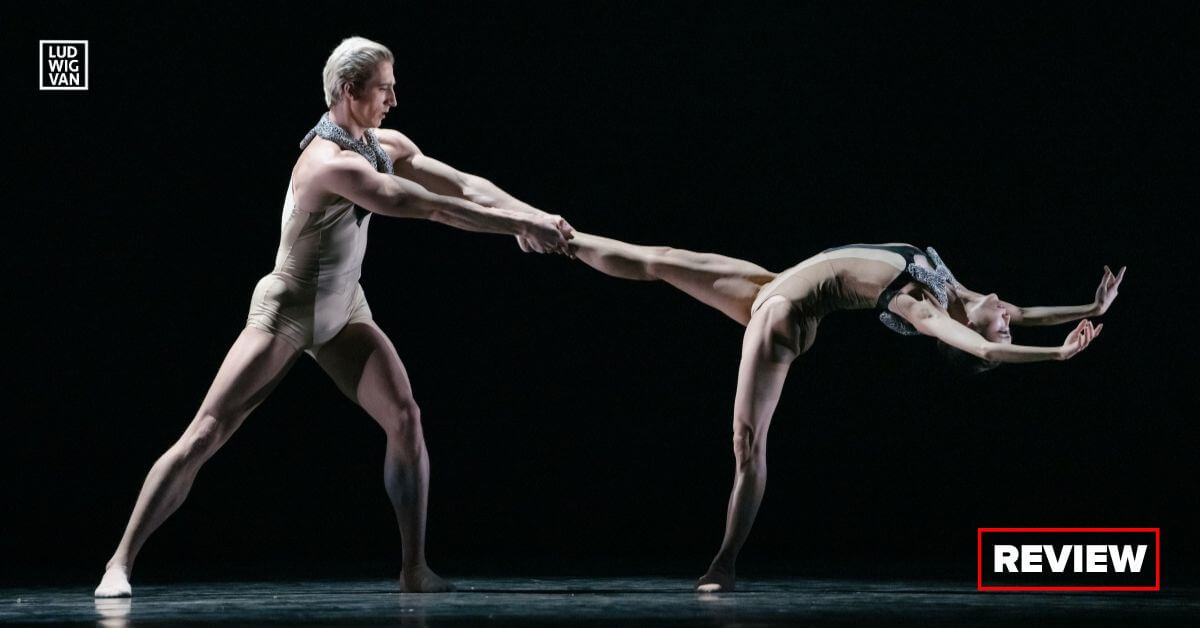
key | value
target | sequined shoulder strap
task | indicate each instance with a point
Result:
(936, 280)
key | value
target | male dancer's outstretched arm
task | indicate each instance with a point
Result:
(444, 179)
(351, 177)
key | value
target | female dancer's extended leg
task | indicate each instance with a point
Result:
(775, 335)
(364, 365)
(256, 362)
(725, 283)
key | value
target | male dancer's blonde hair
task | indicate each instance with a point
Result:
(352, 63)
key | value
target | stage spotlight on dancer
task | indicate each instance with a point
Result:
(913, 290)
(312, 301)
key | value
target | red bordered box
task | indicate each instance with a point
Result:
(979, 560)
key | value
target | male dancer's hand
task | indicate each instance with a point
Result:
(547, 233)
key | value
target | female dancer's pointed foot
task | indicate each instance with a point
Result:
(115, 583)
(423, 580)
(716, 580)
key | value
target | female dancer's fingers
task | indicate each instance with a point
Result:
(1075, 338)
(1120, 275)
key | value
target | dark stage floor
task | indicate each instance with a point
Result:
(594, 601)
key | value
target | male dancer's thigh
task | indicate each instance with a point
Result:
(254, 365)
(364, 364)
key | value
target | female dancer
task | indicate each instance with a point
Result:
(913, 290)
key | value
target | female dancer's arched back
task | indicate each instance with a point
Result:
(913, 290)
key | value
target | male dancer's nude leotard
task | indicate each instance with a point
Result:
(314, 291)
(853, 277)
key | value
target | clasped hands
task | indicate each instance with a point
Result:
(546, 233)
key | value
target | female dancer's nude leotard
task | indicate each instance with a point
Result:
(313, 292)
(856, 277)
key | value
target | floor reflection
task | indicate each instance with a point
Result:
(593, 601)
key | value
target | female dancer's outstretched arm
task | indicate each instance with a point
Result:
(932, 321)
(1057, 314)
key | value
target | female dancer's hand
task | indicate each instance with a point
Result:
(1079, 339)
(1108, 289)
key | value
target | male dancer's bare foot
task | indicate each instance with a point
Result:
(423, 580)
(115, 583)
(716, 580)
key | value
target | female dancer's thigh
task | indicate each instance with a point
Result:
(726, 283)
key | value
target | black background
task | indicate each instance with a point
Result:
(579, 424)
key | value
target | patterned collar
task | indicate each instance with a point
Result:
(368, 147)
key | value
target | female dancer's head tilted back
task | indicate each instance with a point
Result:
(912, 290)
(987, 317)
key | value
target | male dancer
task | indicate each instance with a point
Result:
(312, 301)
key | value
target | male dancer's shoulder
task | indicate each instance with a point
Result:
(397, 144)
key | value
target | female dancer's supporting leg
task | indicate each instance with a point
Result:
(774, 337)
(772, 341)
